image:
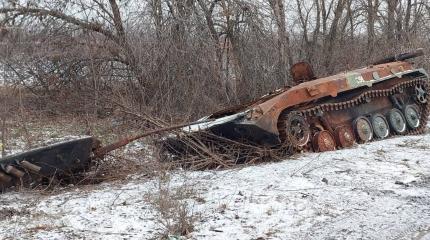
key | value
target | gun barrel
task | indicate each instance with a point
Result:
(401, 57)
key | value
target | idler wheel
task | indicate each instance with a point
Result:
(397, 120)
(363, 129)
(381, 129)
(412, 116)
(420, 93)
(297, 131)
(323, 141)
(344, 136)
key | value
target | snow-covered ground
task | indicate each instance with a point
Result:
(379, 190)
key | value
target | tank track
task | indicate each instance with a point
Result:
(367, 97)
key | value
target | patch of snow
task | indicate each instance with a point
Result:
(378, 190)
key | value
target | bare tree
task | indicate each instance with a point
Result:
(372, 10)
(181, 59)
(284, 52)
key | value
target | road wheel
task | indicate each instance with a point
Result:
(323, 141)
(363, 129)
(412, 116)
(381, 129)
(344, 136)
(397, 121)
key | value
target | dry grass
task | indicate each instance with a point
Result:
(173, 204)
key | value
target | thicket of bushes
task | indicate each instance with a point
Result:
(178, 60)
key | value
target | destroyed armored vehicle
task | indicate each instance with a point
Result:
(389, 97)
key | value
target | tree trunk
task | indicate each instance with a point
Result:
(372, 8)
(220, 61)
(330, 39)
(391, 21)
(285, 59)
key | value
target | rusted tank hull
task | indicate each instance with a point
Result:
(331, 122)
(64, 159)
(330, 113)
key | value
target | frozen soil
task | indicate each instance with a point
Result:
(379, 190)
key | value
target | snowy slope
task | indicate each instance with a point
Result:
(379, 190)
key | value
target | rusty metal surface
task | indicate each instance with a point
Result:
(323, 141)
(302, 72)
(344, 136)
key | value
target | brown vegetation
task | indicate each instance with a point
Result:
(177, 60)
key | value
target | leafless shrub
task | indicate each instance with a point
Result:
(164, 58)
(173, 204)
(205, 150)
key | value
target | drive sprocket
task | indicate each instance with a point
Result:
(294, 129)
